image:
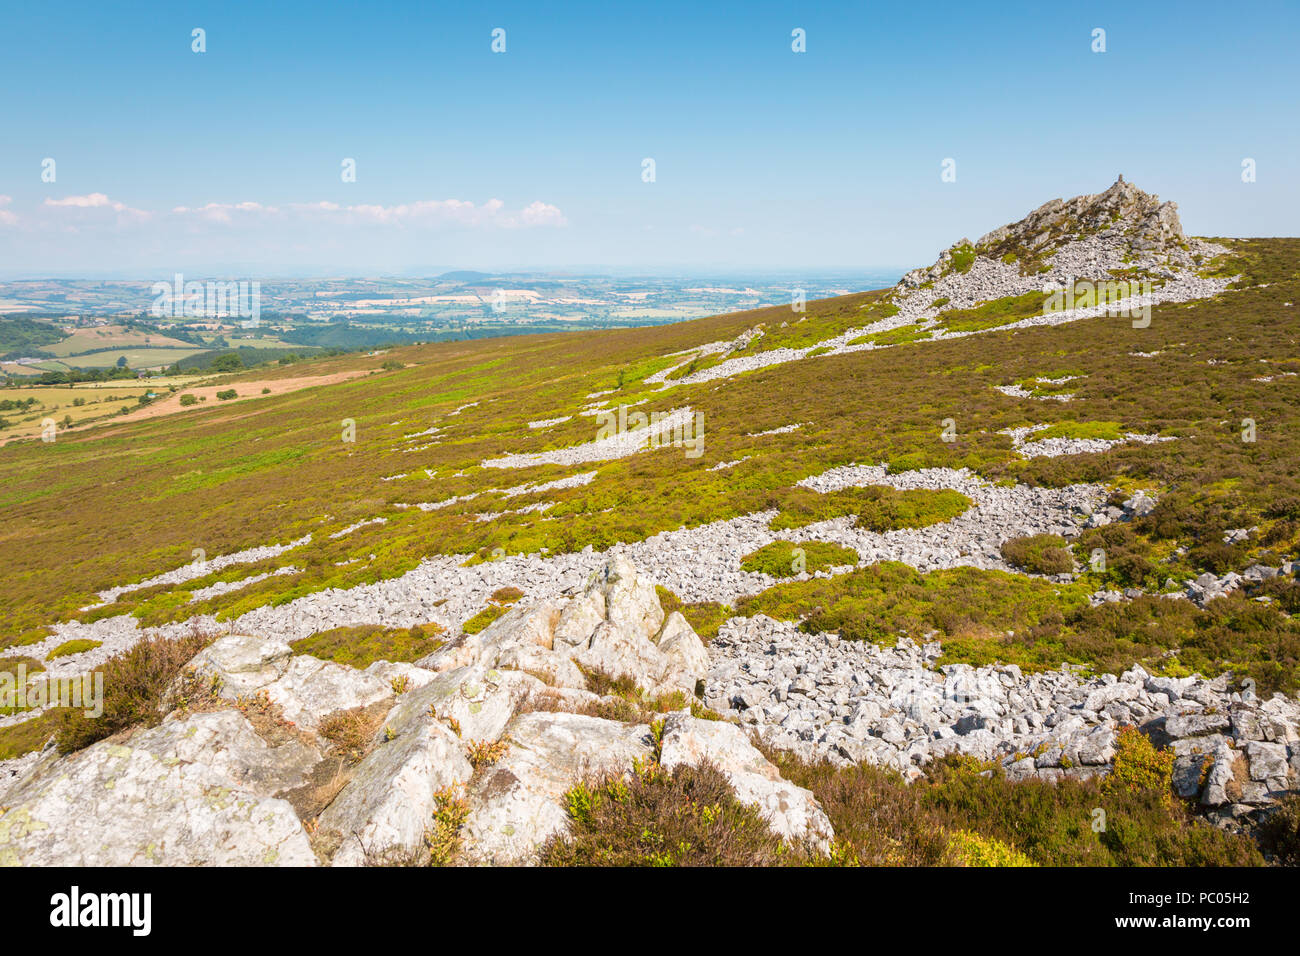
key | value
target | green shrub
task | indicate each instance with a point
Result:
(483, 618)
(227, 395)
(963, 257)
(1139, 767)
(971, 849)
(1279, 833)
(1038, 554)
(877, 507)
(76, 646)
(779, 557)
(689, 817)
(884, 821)
(360, 646)
(187, 400)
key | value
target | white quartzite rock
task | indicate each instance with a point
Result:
(518, 803)
(137, 802)
(791, 811)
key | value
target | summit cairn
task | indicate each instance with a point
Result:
(1122, 234)
(1121, 228)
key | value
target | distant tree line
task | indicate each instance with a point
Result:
(22, 337)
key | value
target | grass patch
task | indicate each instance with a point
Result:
(783, 559)
(1111, 431)
(991, 314)
(1038, 554)
(362, 645)
(899, 336)
(483, 618)
(76, 646)
(28, 735)
(876, 507)
(705, 617)
(881, 602)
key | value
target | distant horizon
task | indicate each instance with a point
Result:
(580, 271)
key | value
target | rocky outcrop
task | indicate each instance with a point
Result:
(614, 625)
(193, 791)
(1130, 226)
(1123, 212)
(213, 786)
(383, 812)
(518, 804)
(1120, 235)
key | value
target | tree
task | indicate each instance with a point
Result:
(121, 362)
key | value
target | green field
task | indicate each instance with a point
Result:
(139, 358)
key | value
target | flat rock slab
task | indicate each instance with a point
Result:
(518, 803)
(138, 802)
(243, 664)
(309, 689)
(479, 700)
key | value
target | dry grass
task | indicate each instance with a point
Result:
(351, 733)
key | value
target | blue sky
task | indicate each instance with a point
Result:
(229, 161)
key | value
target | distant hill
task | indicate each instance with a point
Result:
(467, 275)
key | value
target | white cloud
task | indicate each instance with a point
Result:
(542, 214)
(425, 212)
(75, 214)
(434, 212)
(96, 201)
(223, 211)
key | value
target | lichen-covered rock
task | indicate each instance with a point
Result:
(310, 688)
(385, 809)
(679, 642)
(169, 795)
(398, 674)
(616, 625)
(620, 653)
(524, 625)
(550, 667)
(478, 701)
(579, 618)
(791, 811)
(631, 602)
(518, 804)
(241, 663)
